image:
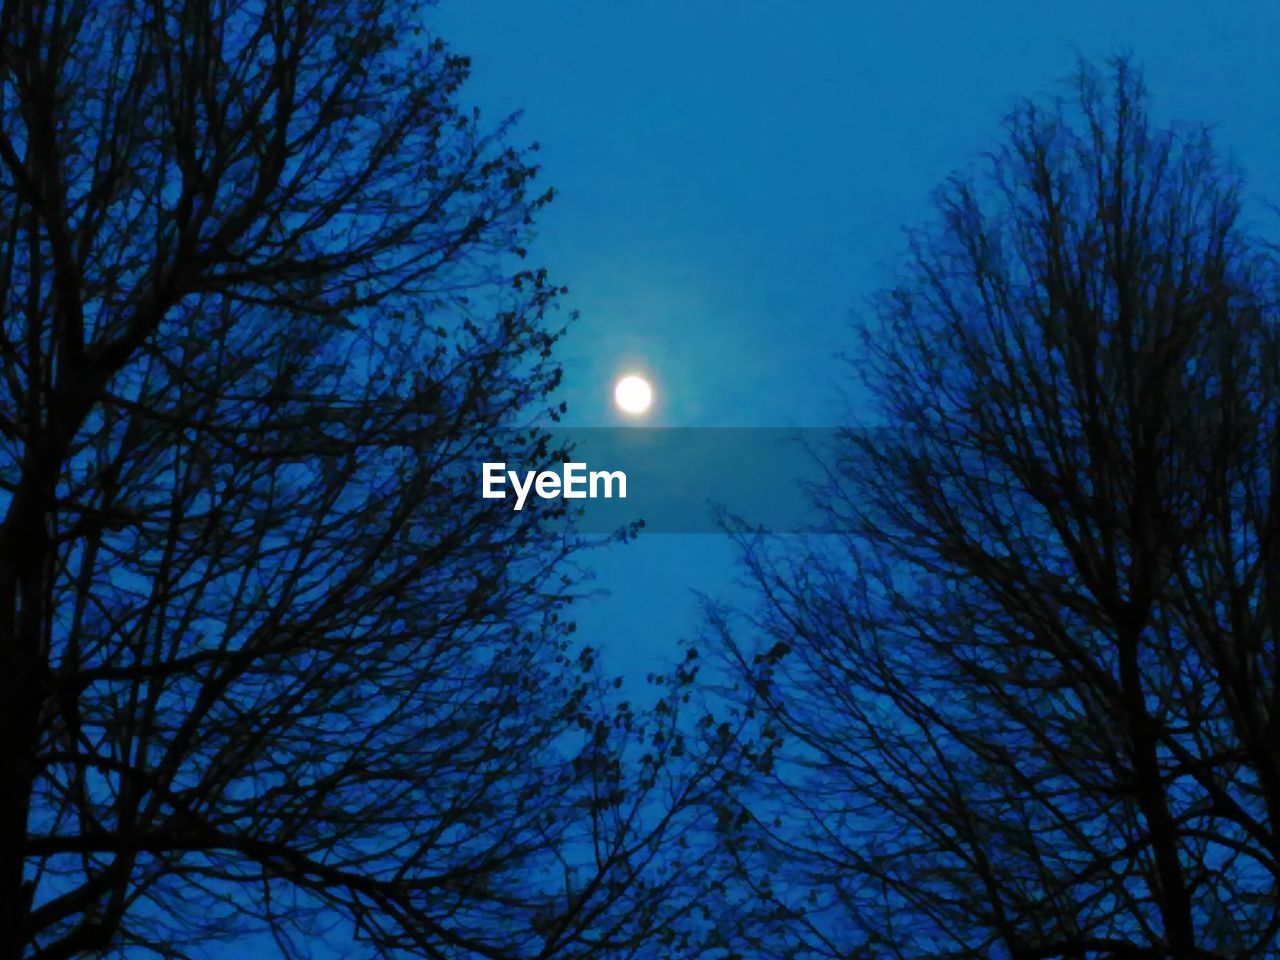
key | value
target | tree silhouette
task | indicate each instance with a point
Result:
(260, 673)
(1028, 709)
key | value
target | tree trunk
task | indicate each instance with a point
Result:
(24, 549)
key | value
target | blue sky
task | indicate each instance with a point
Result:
(733, 178)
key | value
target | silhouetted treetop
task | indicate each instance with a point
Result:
(262, 675)
(1030, 707)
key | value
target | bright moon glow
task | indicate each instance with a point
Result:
(633, 394)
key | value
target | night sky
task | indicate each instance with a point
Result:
(733, 178)
(280, 676)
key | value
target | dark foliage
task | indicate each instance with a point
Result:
(258, 674)
(1030, 709)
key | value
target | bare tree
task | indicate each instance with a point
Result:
(1028, 709)
(261, 671)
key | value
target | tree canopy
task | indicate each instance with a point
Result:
(261, 299)
(1028, 707)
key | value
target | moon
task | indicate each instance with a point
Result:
(633, 394)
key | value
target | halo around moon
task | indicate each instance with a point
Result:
(633, 394)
